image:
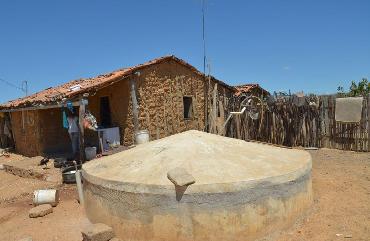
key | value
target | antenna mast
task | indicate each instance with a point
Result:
(25, 87)
(204, 39)
(206, 90)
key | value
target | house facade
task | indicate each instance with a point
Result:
(172, 97)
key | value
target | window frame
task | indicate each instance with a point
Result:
(191, 107)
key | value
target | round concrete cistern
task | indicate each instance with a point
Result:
(242, 190)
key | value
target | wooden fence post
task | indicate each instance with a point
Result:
(238, 131)
(315, 128)
(214, 110)
(135, 107)
(82, 131)
(206, 95)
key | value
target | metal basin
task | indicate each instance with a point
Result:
(69, 177)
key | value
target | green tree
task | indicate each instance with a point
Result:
(362, 88)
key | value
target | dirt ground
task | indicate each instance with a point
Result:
(341, 208)
(64, 224)
(12, 188)
(341, 188)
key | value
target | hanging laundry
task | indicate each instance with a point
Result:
(65, 121)
(348, 109)
(70, 106)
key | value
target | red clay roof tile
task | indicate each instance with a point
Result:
(240, 89)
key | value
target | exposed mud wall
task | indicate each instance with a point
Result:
(39, 132)
(54, 138)
(26, 132)
(160, 91)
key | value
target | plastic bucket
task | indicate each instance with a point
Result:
(46, 197)
(90, 153)
(141, 137)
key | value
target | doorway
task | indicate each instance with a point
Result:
(105, 114)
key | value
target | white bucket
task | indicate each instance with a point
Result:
(90, 153)
(141, 137)
(46, 197)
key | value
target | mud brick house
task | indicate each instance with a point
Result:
(251, 89)
(171, 96)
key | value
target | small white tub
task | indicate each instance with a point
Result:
(46, 197)
(141, 137)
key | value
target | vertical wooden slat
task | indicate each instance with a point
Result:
(285, 123)
(214, 109)
(135, 106)
(82, 130)
(237, 121)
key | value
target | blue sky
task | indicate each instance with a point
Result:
(309, 45)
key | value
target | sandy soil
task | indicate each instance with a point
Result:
(341, 209)
(11, 157)
(13, 187)
(64, 224)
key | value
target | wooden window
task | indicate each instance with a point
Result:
(188, 107)
(105, 114)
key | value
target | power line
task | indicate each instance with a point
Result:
(11, 84)
(23, 88)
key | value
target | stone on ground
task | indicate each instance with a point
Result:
(115, 239)
(40, 211)
(97, 232)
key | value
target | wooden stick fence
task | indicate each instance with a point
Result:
(310, 125)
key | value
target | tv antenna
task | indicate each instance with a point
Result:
(23, 87)
(204, 37)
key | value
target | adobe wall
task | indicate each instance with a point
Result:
(26, 132)
(160, 95)
(39, 132)
(54, 138)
